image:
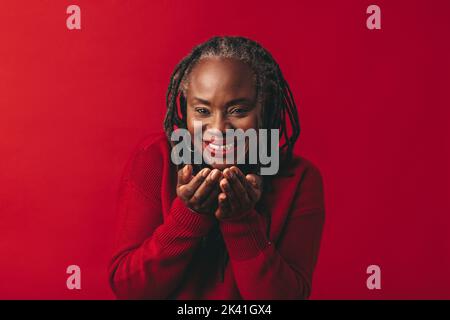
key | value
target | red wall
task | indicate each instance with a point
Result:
(373, 105)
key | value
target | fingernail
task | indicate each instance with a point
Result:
(214, 174)
(205, 172)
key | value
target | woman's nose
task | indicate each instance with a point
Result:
(219, 123)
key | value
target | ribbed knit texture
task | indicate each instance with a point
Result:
(245, 237)
(160, 251)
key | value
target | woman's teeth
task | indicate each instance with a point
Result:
(221, 147)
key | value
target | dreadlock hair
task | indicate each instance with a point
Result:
(273, 92)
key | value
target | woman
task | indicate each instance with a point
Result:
(220, 230)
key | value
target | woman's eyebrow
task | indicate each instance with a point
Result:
(202, 101)
(245, 101)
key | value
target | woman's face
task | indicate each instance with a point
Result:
(221, 93)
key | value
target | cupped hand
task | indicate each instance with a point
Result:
(239, 193)
(199, 192)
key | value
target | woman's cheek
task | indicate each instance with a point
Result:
(249, 122)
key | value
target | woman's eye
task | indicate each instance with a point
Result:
(202, 111)
(238, 111)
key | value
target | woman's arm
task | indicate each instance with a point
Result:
(264, 270)
(152, 254)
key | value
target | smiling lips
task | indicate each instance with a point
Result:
(217, 147)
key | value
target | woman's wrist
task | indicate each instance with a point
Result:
(190, 219)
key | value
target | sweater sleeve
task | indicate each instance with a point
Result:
(151, 255)
(265, 270)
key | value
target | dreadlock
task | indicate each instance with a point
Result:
(278, 105)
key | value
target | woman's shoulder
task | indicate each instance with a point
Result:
(302, 177)
(153, 141)
(303, 168)
(147, 158)
(310, 187)
(299, 187)
(153, 147)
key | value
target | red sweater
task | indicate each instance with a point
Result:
(159, 253)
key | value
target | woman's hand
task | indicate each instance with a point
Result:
(199, 192)
(239, 193)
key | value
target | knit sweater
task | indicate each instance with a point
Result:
(159, 252)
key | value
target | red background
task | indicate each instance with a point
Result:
(373, 108)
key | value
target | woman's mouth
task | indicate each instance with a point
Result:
(219, 148)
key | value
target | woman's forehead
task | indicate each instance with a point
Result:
(221, 74)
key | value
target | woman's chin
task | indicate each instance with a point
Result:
(221, 162)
